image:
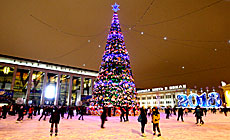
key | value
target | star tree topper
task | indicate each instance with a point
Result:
(115, 7)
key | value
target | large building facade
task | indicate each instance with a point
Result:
(44, 83)
(162, 96)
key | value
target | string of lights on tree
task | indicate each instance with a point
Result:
(115, 83)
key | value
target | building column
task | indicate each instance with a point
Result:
(165, 99)
(14, 76)
(43, 89)
(70, 91)
(151, 101)
(158, 99)
(81, 89)
(91, 88)
(29, 86)
(174, 99)
(140, 100)
(57, 89)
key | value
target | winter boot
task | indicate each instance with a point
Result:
(143, 135)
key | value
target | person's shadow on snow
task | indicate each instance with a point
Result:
(149, 131)
(135, 131)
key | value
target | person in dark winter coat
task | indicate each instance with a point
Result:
(4, 111)
(81, 113)
(20, 114)
(77, 110)
(180, 114)
(122, 114)
(205, 111)
(70, 113)
(127, 113)
(44, 113)
(174, 110)
(198, 114)
(143, 121)
(167, 112)
(103, 117)
(62, 110)
(109, 111)
(134, 111)
(54, 120)
(39, 108)
(35, 110)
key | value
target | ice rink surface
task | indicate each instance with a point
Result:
(216, 127)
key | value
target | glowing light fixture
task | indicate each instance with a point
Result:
(6, 70)
(50, 91)
(165, 38)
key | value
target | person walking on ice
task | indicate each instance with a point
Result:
(180, 114)
(143, 120)
(103, 117)
(198, 114)
(54, 120)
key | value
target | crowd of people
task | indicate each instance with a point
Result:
(57, 113)
(54, 112)
(180, 112)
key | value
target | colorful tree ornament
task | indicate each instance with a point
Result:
(115, 80)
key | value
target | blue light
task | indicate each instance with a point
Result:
(213, 100)
(115, 7)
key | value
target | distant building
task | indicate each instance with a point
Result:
(162, 96)
(42, 83)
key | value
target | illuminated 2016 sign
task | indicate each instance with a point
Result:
(201, 100)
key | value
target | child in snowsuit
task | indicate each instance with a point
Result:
(155, 121)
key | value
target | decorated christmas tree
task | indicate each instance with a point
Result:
(115, 83)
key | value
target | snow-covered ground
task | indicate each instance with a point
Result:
(216, 127)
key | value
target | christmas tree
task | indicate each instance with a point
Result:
(115, 83)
